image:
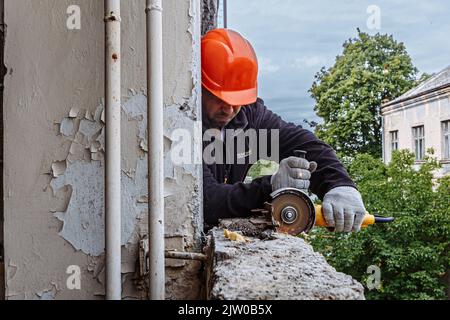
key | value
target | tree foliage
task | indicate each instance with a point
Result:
(370, 71)
(262, 168)
(412, 252)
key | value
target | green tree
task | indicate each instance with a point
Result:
(413, 251)
(262, 168)
(370, 71)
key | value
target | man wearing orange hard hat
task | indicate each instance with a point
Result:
(230, 101)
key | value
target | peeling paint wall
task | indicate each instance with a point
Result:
(54, 148)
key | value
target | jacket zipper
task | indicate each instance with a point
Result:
(227, 173)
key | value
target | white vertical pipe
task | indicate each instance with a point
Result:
(112, 157)
(155, 149)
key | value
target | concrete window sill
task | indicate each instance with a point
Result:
(280, 267)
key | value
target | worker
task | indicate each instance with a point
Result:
(230, 101)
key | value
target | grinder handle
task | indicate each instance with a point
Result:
(300, 154)
(369, 219)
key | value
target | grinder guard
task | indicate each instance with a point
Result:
(293, 211)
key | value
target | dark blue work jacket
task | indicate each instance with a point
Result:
(225, 193)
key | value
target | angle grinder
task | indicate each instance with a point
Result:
(292, 211)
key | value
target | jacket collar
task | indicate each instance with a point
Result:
(239, 123)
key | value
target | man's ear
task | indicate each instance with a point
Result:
(205, 92)
(312, 166)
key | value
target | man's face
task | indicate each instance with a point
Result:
(217, 113)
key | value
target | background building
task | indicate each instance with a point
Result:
(419, 120)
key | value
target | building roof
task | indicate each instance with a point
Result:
(436, 82)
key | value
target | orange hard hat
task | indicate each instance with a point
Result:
(229, 67)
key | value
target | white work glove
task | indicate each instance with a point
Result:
(343, 209)
(293, 173)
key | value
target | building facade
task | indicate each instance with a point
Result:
(419, 120)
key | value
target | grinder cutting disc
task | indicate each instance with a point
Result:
(293, 210)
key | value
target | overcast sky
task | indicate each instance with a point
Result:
(295, 38)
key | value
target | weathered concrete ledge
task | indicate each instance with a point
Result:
(279, 267)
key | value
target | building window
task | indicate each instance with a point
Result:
(446, 139)
(394, 140)
(419, 142)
